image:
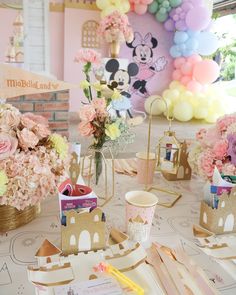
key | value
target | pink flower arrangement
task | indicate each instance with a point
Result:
(88, 56)
(29, 159)
(213, 148)
(116, 27)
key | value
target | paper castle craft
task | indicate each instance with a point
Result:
(83, 231)
(55, 269)
(223, 219)
(184, 171)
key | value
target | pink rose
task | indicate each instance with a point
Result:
(88, 55)
(87, 113)
(10, 118)
(27, 139)
(26, 122)
(85, 128)
(99, 104)
(220, 149)
(36, 118)
(8, 145)
(206, 163)
(41, 131)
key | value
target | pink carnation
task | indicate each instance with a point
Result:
(88, 55)
(87, 113)
(41, 131)
(220, 149)
(100, 105)
(229, 169)
(206, 163)
(223, 123)
(35, 119)
(27, 139)
(8, 145)
(85, 128)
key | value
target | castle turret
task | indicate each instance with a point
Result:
(47, 253)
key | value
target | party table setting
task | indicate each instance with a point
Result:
(92, 219)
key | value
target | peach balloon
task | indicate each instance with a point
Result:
(187, 68)
(206, 71)
(185, 80)
(176, 75)
(179, 62)
(195, 58)
(194, 86)
(140, 8)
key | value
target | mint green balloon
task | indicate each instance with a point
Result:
(162, 10)
(175, 3)
(161, 17)
(165, 4)
(152, 8)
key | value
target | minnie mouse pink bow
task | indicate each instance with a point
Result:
(139, 40)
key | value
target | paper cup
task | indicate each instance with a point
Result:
(140, 209)
(145, 173)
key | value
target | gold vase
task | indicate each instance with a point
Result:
(11, 218)
(114, 49)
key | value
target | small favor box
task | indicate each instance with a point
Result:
(75, 198)
(222, 219)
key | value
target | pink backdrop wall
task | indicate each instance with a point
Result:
(7, 17)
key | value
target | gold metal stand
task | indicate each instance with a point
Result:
(176, 196)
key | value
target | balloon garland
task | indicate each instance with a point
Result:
(190, 94)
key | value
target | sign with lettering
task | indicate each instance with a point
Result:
(15, 82)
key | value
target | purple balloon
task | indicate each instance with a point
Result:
(172, 13)
(180, 25)
(176, 17)
(197, 19)
(187, 6)
(169, 25)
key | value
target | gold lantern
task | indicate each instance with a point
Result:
(168, 153)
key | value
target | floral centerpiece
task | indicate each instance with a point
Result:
(215, 146)
(33, 162)
(116, 29)
(95, 119)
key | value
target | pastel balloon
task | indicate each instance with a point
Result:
(206, 71)
(174, 51)
(208, 43)
(152, 8)
(178, 62)
(140, 8)
(169, 25)
(180, 37)
(177, 75)
(185, 80)
(201, 112)
(194, 86)
(187, 68)
(175, 3)
(198, 18)
(183, 111)
(154, 105)
(194, 58)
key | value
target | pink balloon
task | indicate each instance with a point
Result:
(146, 1)
(179, 61)
(198, 18)
(140, 8)
(187, 68)
(181, 25)
(194, 86)
(185, 80)
(176, 75)
(206, 71)
(195, 58)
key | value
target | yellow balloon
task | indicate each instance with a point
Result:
(212, 117)
(166, 93)
(108, 10)
(125, 6)
(200, 112)
(174, 84)
(183, 111)
(102, 4)
(158, 106)
(174, 93)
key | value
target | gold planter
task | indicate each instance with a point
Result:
(11, 218)
(114, 49)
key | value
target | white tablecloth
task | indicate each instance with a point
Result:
(171, 226)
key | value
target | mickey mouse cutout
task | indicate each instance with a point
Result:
(121, 79)
(143, 56)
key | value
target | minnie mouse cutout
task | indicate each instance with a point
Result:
(143, 56)
(120, 79)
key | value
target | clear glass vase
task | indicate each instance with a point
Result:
(98, 172)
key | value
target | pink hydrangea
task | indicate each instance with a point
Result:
(220, 149)
(88, 56)
(223, 123)
(206, 163)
